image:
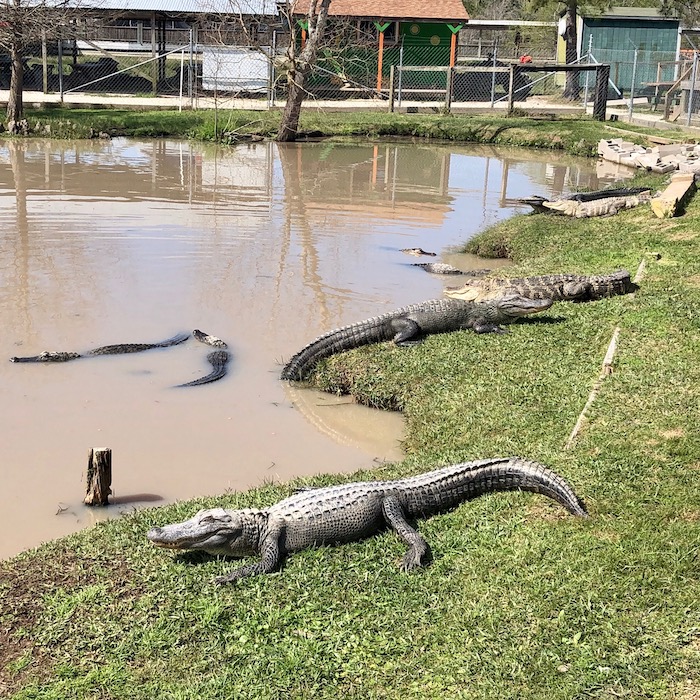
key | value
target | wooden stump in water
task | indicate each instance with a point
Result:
(99, 476)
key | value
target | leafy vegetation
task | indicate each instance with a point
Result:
(574, 135)
(521, 601)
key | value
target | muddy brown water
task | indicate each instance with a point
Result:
(266, 246)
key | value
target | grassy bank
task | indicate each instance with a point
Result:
(521, 601)
(578, 136)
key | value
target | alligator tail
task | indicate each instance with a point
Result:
(525, 475)
(375, 330)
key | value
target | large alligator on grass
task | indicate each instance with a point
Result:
(409, 324)
(582, 205)
(565, 287)
(349, 512)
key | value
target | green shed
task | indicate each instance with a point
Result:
(616, 36)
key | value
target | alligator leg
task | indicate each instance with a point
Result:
(418, 550)
(488, 328)
(406, 332)
(270, 561)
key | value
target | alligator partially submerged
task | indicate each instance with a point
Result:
(104, 350)
(218, 359)
(564, 287)
(417, 252)
(207, 339)
(409, 324)
(349, 512)
(446, 269)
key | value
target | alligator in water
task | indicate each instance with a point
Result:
(218, 359)
(207, 339)
(445, 269)
(417, 252)
(407, 325)
(566, 287)
(349, 512)
(104, 350)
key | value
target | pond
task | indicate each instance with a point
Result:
(266, 246)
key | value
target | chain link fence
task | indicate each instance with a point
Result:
(644, 82)
(199, 67)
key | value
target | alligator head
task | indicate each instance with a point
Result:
(215, 531)
(48, 357)
(513, 306)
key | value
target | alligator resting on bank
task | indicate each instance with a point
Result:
(544, 206)
(349, 512)
(407, 326)
(565, 287)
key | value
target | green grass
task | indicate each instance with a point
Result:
(578, 136)
(521, 601)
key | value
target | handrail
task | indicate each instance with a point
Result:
(673, 88)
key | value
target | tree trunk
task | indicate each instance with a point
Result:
(300, 65)
(292, 110)
(15, 106)
(572, 90)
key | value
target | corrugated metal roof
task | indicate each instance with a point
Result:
(630, 13)
(243, 7)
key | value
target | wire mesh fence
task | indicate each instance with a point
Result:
(644, 82)
(451, 72)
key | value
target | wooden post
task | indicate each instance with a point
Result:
(99, 476)
(392, 72)
(449, 81)
(380, 61)
(600, 98)
(511, 83)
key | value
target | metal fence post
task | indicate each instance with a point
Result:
(190, 72)
(588, 62)
(398, 96)
(60, 68)
(632, 86)
(493, 75)
(691, 92)
(273, 53)
(392, 73)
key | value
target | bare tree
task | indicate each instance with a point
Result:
(24, 23)
(300, 64)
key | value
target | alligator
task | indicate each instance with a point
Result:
(218, 360)
(407, 326)
(104, 350)
(541, 204)
(348, 512)
(565, 287)
(417, 252)
(601, 207)
(445, 269)
(207, 339)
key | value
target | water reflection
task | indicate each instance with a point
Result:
(266, 246)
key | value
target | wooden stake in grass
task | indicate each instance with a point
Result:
(99, 476)
(607, 367)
